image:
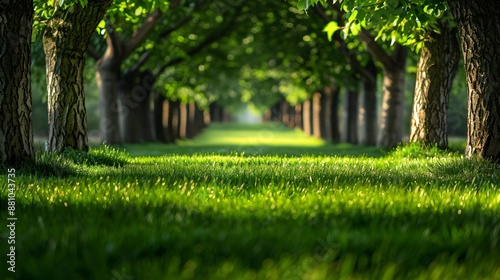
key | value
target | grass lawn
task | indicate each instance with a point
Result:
(254, 202)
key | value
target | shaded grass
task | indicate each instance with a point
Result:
(408, 213)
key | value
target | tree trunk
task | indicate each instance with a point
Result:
(298, 116)
(159, 117)
(16, 128)
(199, 120)
(135, 90)
(216, 112)
(109, 105)
(480, 38)
(183, 120)
(65, 43)
(393, 101)
(334, 116)
(436, 70)
(326, 113)
(285, 112)
(306, 117)
(190, 121)
(173, 120)
(352, 116)
(368, 113)
(316, 115)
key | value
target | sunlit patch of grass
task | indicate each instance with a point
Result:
(410, 213)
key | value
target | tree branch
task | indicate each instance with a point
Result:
(375, 49)
(144, 57)
(142, 32)
(349, 56)
(206, 42)
(114, 44)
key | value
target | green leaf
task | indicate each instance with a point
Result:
(303, 4)
(394, 36)
(138, 11)
(331, 28)
(102, 24)
(353, 15)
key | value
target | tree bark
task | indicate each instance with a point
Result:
(436, 70)
(173, 120)
(394, 69)
(298, 116)
(480, 39)
(183, 120)
(16, 128)
(368, 112)
(190, 121)
(135, 120)
(107, 76)
(334, 116)
(306, 117)
(285, 112)
(392, 108)
(65, 43)
(352, 116)
(316, 115)
(159, 117)
(326, 113)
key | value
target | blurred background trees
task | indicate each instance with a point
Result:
(344, 72)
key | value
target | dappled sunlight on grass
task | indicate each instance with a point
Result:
(217, 208)
(252, 140)
(269, 134)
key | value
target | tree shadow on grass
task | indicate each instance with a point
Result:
(339, 150)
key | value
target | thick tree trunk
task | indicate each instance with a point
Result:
(183, 120)
(368, 113)
(480, 38)
(334, 116)
(352, 116)
(316, 115)
(436, 70)
(199, 120)
(291, 116)
(306, 117)
(190, 121)
(326, 114)
(135, 90)
(391, 133)
(216, 112)
(159, 116)
(65, 43)
(173, 120)
(16, 128)
(298, 116)
(109, 105)
(285, 112)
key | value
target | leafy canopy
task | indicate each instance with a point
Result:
(402, 21)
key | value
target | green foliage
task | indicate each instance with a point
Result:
(402, 21)
(236, 216)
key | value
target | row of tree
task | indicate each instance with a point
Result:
(198, 52)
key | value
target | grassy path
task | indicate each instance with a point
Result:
(256, 202)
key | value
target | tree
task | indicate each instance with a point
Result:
(16, 132)
(65, 41)
(480, 37)
(439, 59)
(109, 66)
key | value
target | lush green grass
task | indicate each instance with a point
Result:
(233, 204)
